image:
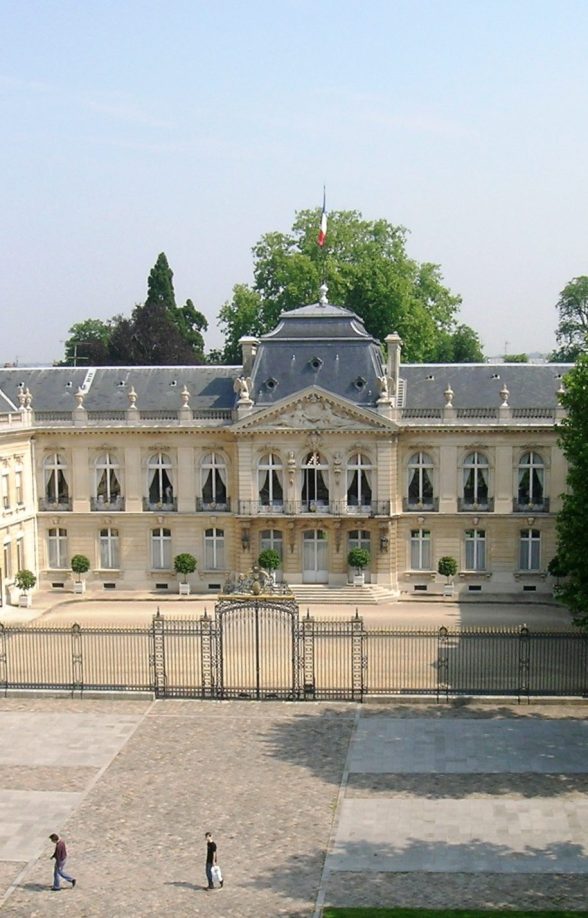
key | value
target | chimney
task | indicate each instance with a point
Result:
(394, 346)
(248, 349)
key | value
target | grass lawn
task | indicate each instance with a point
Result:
(440, 913)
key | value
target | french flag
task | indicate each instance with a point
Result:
(323, 227)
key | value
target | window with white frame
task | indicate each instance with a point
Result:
(214, 549)
(359, 481)
(420, 550)
(475, 550)
(530, 550)
(159, 480)
(18, 486)
(359, 538)
(270, 480)
(475, 480)
(213, 477)
(7, 560)
(5, 490)
(109, 548)
(272, 538)
(315, 490)
(531, 476)
(420, 480)
(107, 480)
(20, 555)
(161, 549)
(57, 548)
(56, 486)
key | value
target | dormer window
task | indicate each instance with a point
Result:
(316, 363)
(271, 383)
(360, 382)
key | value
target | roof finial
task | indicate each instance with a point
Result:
(323, 297)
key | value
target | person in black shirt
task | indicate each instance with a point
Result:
(210, 859)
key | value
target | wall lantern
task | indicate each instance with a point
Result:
(245, 539)
(384, 543)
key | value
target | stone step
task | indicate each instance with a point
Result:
(369, 594)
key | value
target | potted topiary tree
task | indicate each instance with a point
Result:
(24, 580)
(269, 559)
(558, 571)
(358, 558)
(184, 564)
(447, 567)
(80, 564)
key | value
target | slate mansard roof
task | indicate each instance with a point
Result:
(317, 345)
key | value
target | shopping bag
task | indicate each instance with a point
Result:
(216, 874)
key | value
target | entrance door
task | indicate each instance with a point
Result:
(315, 556)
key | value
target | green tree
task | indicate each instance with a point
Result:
(160, 284)
(516, 358)
(572, 532)
(461, 346)
(367, 269)
(572, 330)
(88, 343)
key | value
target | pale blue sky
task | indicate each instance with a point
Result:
(130, 128)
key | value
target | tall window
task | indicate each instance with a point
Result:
(270, 480)
(213, 472)
(475, 480)
(20, 556)
(57, 548)
(272, 538)
(161, 549)
(420, 480)
(315, 491)
(359, 481)
(214, 549)
(531, 477)
(107, 480)
(109, 548)
(359, 538)
(7, 560)
(4, 490)
(475, 550)
(18, 485)
(56, 487)
(159, 471)
(420, 550)
(530, 550)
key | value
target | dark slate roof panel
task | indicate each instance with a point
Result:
(479, 385)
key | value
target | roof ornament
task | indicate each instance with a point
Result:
(504, 394)
(79, 397)
(448, 396)
(132, 396)
(323, 295)
(185, 397)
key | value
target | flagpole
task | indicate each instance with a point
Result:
(322, 237)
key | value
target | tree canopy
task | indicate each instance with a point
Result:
(572, 532)
(157, 333)
(572, 330)
(368, 270)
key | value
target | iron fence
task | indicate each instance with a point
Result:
(262, 649)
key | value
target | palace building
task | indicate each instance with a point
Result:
(315, 445)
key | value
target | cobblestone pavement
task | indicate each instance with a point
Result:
(284, 787)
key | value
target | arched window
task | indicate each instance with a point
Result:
(108, 491)
(159, 480)
(531, 474)
(56, 486)
(359, 482)
(315, 490)
(475, 480)
(214, 549)
(270, 481)
(420, 480)
(213, 477)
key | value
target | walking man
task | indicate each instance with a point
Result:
(60, 855)
(210, 860)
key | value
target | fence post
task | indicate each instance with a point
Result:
(77, 661)
(357, 659)
(307, 638)
(442, 662)
(3, 660)
(207, 656)
(158, 655)
(524, 663)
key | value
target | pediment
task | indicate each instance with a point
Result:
(315, 409)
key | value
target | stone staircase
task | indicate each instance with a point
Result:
(344, 595)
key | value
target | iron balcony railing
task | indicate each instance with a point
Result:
(297, 507)
(412, 506)
(160, 506)
(62, 505)
(469, 506)
(112, 506)
(213, 506)
(539, 506)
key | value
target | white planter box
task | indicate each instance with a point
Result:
(25, 600)
(79, 586)
(359, 579)
(448, 589)
(184, 589)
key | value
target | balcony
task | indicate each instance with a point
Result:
(538, 506)
(469, 506)
(61, 505)
(212, 506)
(98, 504)
(431, 506)
(299, 507)
(160, 506)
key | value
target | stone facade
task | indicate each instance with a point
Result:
(315, 445)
